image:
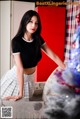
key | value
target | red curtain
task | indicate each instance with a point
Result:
(53, 32)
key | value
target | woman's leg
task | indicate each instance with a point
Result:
(29, 85)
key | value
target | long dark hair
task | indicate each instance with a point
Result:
(25, 20)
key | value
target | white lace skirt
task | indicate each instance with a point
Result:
(9, 84)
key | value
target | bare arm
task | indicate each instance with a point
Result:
(19, 72)
(53, 56)
(20, 77)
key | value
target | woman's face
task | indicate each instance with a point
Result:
(32, 26)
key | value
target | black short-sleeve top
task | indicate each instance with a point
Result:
(30, 52)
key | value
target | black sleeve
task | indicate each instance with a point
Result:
(15, 46)
(42, 41)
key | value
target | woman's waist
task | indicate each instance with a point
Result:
(29, 71)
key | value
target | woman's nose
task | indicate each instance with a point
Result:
(33, 25)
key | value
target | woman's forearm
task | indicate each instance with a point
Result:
(20, 81)
(55, 58)
(58, 61)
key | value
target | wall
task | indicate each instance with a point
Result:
(0, 38)
(5, 36)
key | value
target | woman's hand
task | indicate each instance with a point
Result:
(15, 98)
(64, 66)
(53, 56)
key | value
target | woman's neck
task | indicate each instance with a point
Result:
(28, 36)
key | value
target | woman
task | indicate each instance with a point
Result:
(26, 49)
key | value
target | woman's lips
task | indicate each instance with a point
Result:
(33, 29)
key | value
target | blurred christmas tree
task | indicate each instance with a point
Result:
(72, 72)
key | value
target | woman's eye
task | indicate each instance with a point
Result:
(36, 23)
(31, 21)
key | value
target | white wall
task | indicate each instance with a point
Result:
(5, 36)
(0, 39)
